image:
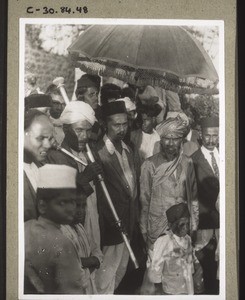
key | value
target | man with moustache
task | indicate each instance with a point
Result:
(78, 118)
(88, 88)
(167, 178)
(206, 164)
(120, 180)
(38, 139)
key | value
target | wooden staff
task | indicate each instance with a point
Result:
(71, 155)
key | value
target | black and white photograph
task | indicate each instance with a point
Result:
(121, 159)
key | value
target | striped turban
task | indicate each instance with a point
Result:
(176, 127)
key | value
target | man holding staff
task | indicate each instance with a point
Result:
(77, 119)
(120, 180)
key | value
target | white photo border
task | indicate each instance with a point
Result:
(221, 72)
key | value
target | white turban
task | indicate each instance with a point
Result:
(77, 111)
(128, 103)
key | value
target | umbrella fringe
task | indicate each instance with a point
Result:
(189, 85)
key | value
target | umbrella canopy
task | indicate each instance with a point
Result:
(142, 52)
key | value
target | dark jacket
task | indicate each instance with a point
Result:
(125, 204)
(208, 190)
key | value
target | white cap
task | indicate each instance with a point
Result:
(57, 177)
(77, 111)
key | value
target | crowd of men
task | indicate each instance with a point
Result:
(161, 174)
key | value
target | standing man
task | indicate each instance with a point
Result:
(206, 163)
(38, 139)
(120, 180)
(77, 119)
(167, 178)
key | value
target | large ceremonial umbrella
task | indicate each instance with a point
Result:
(166, 56)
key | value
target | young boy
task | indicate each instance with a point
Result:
(89, 253)
(52, 263)
(172, 267)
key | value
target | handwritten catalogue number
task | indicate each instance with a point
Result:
(63, 9)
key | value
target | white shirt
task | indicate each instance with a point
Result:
(189, 135)
(148, 143)
(31, 171)
(123, 160)
(208, 157)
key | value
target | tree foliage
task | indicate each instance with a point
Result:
(53, 38)
(200, 106)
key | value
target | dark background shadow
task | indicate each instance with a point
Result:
(3, 97)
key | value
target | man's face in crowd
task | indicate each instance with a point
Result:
(117, 126)
(171, 146)
(91, 97)
(39, 138)
(210, 137)
(181, 227)
(60, 210)
(82, 130)
(147, 124)
(57, 106)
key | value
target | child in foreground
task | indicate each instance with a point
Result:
(172, 266)
(89, 253)
(52, 263)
